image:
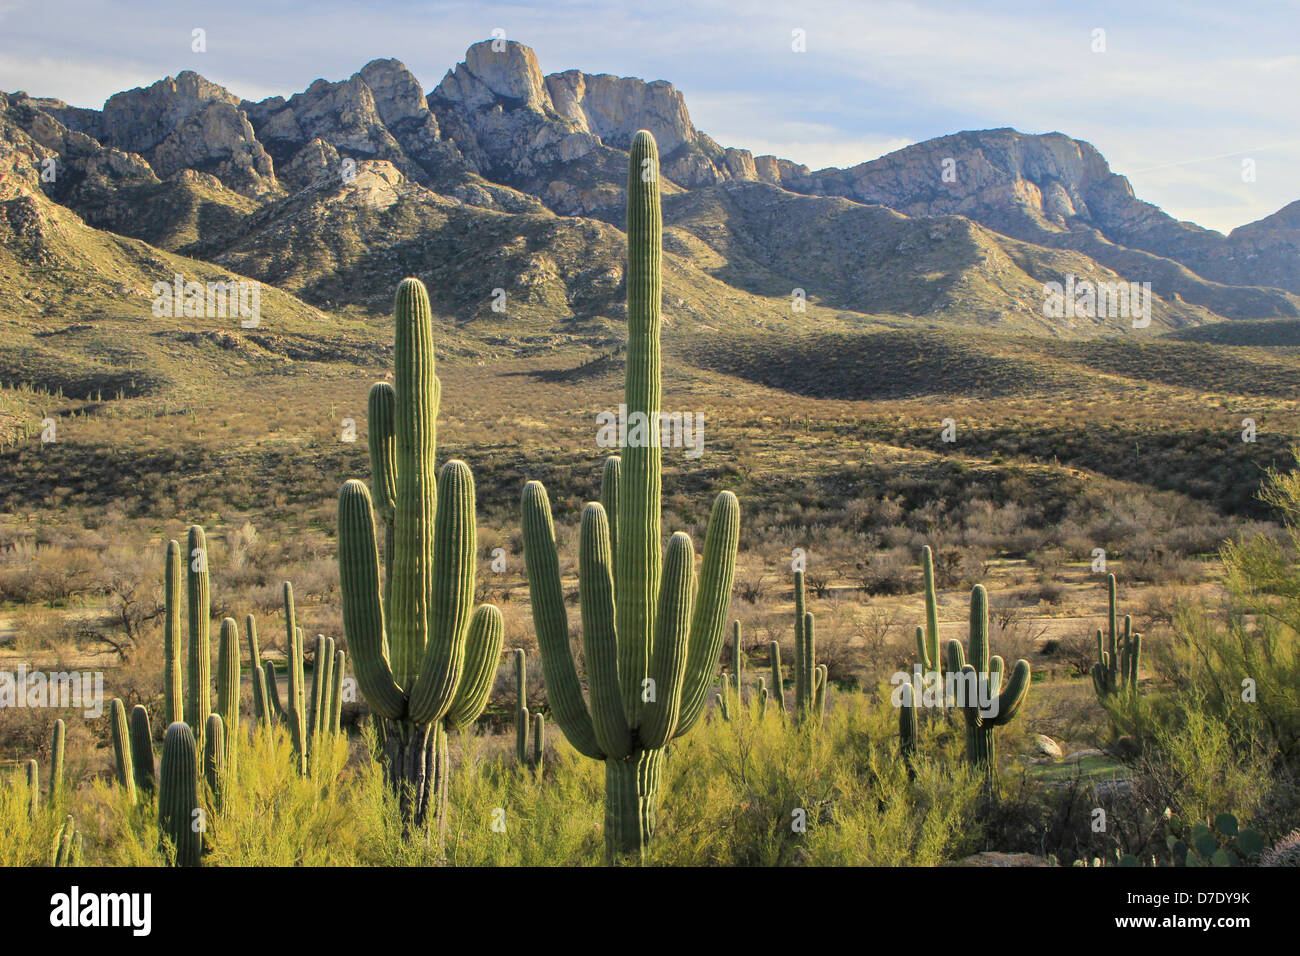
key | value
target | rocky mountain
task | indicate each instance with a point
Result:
(504, 181)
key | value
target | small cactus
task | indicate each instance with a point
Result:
(1118, 659)
(122, 763)
(57, 751)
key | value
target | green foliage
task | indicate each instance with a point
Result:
(1221, 842)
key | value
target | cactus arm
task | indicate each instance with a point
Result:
(956, 657)
(261, 698)
(294, 709)
(173, 692)
(712, 602)
(638, 561)
(380, 436)
(979, 629)
(482, 654)
(412, 580)
(214, 759)
(609, 481)
(455, 546)
(363, 612)
(599, 635)
(550, 621)
(336, 705)
(672, 635)
(57, 750)
(1012, 696)
(142, 750)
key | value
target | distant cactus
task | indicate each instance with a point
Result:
(122, 763)
(982, 679)
(651, 638)
(778, 682)
(57, 751)
(66, 850)
(178, 798)
(1118, 659)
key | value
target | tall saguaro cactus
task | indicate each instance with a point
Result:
(650, 652)
(980, 695)
(198, 691)
(424, 658)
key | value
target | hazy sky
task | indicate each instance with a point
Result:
(1184, 91)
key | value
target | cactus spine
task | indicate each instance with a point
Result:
(142, 750)
(178, 796)
(985, 704)
(778, 682)
(1118, 658)
(650, 655)
(423, 656)
(122, 763)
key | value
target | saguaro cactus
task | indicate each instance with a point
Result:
(122, 763)
(215, 766)
(142, 750)
(228, 690)
(650, 653)
(178, 795)
(424, 659)
(778, 682)
(985, 704)
(198, 690)
(1118, 658)
(57, 750)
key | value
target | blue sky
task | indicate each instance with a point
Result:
(1184, 91)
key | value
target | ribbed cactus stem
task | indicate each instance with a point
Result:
(198, 702)
(178, 800)
(254, 649)
(173, 675)
(521, 707)
(215, 769)
(58, 746)
(336, 695)
(228, 690)
(928, 638)
(142, 761)
(737, 657)
(293, 705)
(762, 698)
(273, 691)
(778, 682)
(261, 698)
(124, 771)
